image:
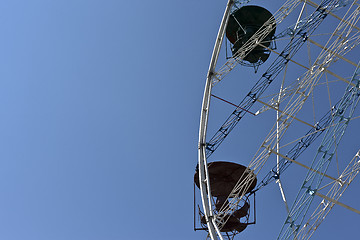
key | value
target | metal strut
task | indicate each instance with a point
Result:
(298, 149)
(323, 158)
(335, 192)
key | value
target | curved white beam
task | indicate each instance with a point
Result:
(203, 170)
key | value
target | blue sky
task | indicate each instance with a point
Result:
(100, 105)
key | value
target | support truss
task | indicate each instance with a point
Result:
(300, 35)
(335, 192)
(305, 87)
(322, 159)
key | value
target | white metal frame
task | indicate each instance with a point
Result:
(203, 169)
(303, 87)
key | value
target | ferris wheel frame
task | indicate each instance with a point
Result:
(214, 223)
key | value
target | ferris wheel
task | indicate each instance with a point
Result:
(284, 86)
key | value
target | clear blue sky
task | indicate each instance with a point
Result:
(100, 105)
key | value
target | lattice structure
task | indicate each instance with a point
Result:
(343, 40)
(336, 191)
(340, 120)
(305, 87)
(299, 37)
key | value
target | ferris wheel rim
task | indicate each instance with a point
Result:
(202, 162)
